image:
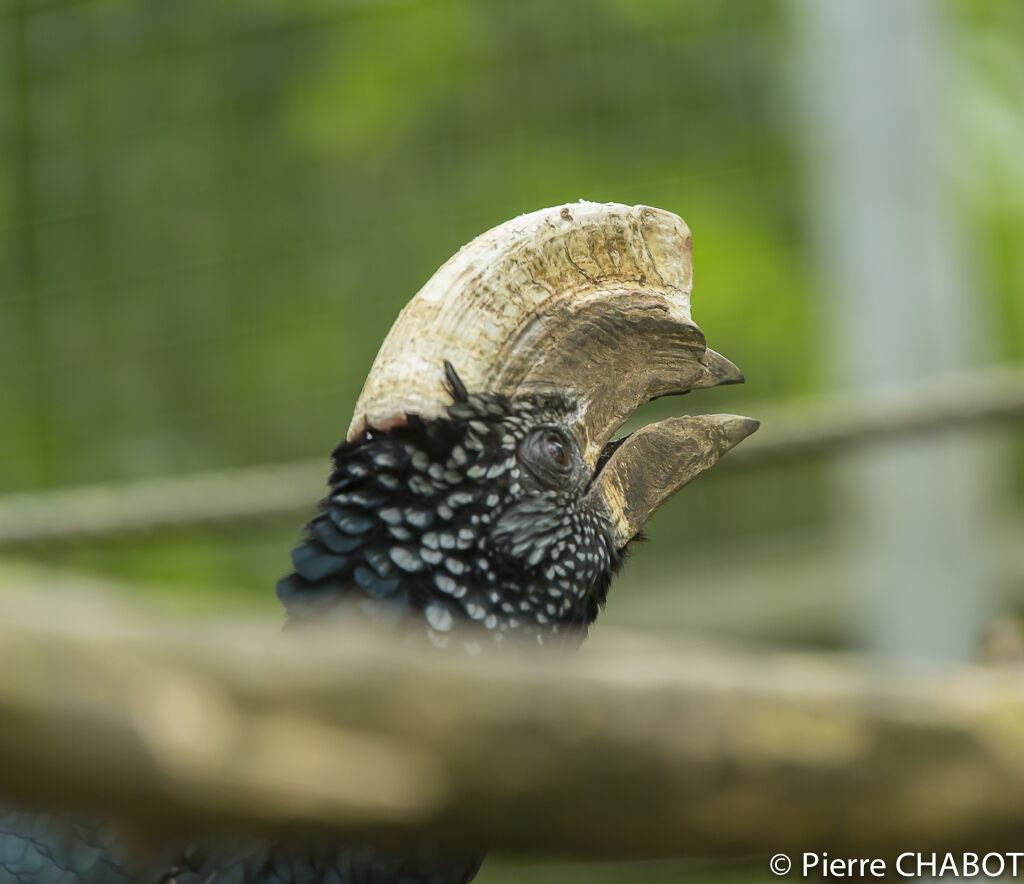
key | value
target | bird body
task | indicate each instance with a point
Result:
(45, 848)
(485, 494)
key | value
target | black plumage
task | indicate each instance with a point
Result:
(45, 848)
(480, 516)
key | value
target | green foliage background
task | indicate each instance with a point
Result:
(211, 212)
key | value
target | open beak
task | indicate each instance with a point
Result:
(589, 302)
(652, 464)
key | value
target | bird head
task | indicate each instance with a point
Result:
(479, 480)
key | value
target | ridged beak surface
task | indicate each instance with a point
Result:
(652, 464)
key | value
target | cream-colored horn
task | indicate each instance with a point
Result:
(588, 300)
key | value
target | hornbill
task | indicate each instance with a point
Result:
(478, 483)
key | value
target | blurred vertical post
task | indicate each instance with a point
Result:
(898, 308)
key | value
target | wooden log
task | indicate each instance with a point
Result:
(631, 749)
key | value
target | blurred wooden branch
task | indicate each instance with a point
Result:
(237, 496)
(635, 750)
(231, 497)
(782, 597)
(838, 423)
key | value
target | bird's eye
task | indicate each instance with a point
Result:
(548, 456)
(556, 449)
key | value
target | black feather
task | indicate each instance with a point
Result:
(453, 383)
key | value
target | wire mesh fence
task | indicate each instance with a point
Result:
(211, 212)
